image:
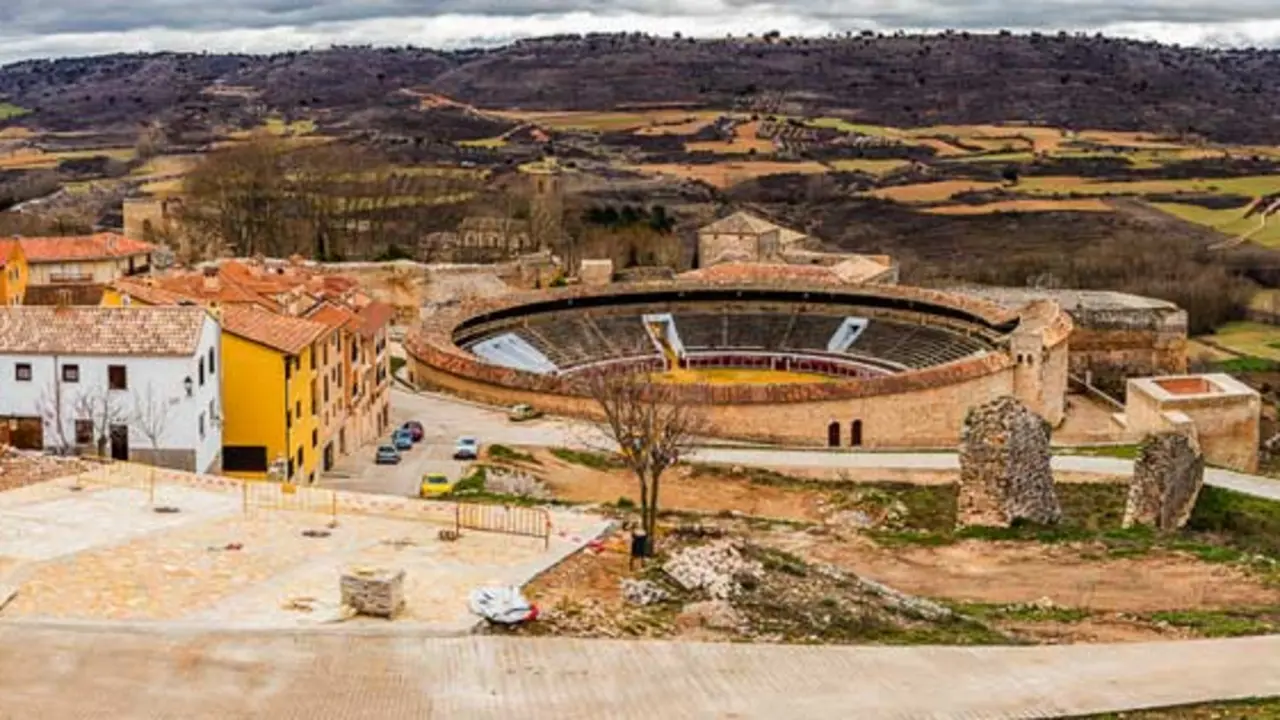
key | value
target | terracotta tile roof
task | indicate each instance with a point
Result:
(146, 292)
(335, 317)
(101, 330)
(375, 316)
(6, 250)
(85, 247)
(740, 223)
(280, 332)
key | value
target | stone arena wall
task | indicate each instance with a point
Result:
(907, 412)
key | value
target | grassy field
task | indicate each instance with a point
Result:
(1249, 338)
(1228, 222)
(8, 111)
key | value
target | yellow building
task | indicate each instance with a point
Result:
(269, 394)
(13, 272)
(337, 385)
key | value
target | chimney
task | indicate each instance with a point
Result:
(211, 283)
(111, 243)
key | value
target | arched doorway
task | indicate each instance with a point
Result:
(855, 434)
(833, 434)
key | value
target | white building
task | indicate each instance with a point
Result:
(139, 383)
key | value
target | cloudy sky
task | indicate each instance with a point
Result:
(44, 28)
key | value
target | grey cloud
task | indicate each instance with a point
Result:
(51, 27)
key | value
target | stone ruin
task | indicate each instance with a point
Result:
(375, 592)
(1167, 478)
(1004, 467)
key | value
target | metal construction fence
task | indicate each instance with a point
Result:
(259, 497)
(506, 519)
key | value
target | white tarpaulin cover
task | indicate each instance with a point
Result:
(505, 605)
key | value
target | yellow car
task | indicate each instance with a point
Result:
(434, 484)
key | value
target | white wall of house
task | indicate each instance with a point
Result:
(162, 378)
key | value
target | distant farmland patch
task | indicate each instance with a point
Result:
(933, 192)
(1014, 206)
(871, 167)
(727, 174)
(744, 141)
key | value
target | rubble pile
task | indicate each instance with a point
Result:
(642, 592)
(512, 481)
(1004, 467)
(1167, 478)
(719, 569)
(19, 468)
(376, 592)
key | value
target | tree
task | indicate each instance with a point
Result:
(52, 408)
(651, 423)
(102, 410)
(150, 417)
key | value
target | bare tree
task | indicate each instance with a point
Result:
(52, 407)
(652, 425)
(102, 410)
(151, 414)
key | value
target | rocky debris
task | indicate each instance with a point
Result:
(712, 614)
(896, 599)
(376, 592)
(1004, 467)
(642, 592)
(19, 468)
(1167, 478)
(718, 568)
(513, 481)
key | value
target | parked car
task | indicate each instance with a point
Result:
(387, 455)
(434, 484)
(415, 428)
(402, 439)
(467, 448)
(522, 412)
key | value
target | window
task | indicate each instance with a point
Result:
(71, 373)
(315, 438)
(326, 390)
(299, 462)
(288, 369)
(202, 371)
(201, 426)
(117, 377)
(313, 358)
(22, 372)
(212, 366)
(84, 432)
(326, 353)
(298, 409)
(244, 458)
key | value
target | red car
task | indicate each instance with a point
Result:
(415, 429)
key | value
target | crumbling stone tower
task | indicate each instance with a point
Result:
(1167, 478)
(1004, 467)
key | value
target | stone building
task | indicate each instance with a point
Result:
(1220, 412)
(746, 238)
(1115, 335)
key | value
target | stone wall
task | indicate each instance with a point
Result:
(924, 410)
(721, 247)
(1004, 467)
(1167, 478)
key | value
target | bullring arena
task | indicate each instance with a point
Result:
(863, 366)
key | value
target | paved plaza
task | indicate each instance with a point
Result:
(103, 553)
